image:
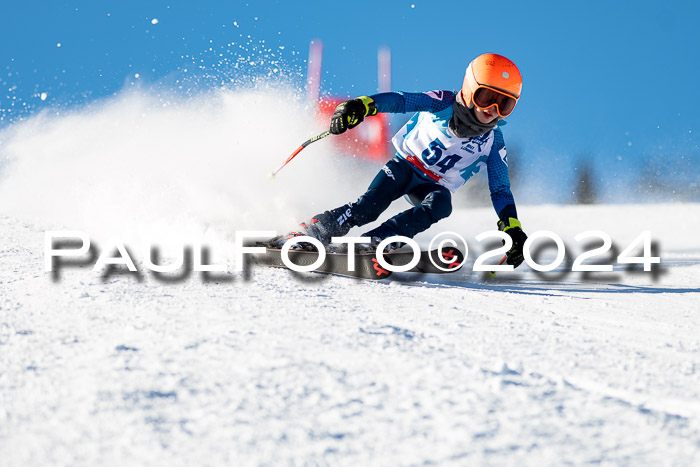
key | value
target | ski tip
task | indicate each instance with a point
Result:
(271, 176)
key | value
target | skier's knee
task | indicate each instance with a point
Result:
(440, 211)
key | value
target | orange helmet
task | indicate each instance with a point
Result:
(490, 80)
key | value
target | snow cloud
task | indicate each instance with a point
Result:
(138, 166)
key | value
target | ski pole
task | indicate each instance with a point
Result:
(298, 150)
(492, 274)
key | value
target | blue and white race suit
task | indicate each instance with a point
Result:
(430, 146)
(430, 164)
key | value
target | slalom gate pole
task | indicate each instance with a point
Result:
(298, 150)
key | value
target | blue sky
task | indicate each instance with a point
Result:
(612, 82)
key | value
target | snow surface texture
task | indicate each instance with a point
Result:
(278, 370)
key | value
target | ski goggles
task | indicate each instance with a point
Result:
(485, 97)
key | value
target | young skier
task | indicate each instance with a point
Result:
(449, 139)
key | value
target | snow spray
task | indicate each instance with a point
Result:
(148, 169)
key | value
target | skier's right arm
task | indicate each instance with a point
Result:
(403, 102)
(351, 113)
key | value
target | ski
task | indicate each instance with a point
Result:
(366, 264)
(448, 260)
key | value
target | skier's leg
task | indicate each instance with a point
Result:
(436, 204)
(388, 185)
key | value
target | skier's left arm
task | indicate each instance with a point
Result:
(502, 199)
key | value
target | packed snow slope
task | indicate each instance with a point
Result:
(270, 368)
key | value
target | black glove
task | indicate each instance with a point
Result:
(351, 113)
(514, 256)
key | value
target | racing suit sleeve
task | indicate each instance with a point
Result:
(403, 102)
(499, 182)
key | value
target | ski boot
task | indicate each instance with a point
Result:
(322, 227)
(276, 243)
(378, 235)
